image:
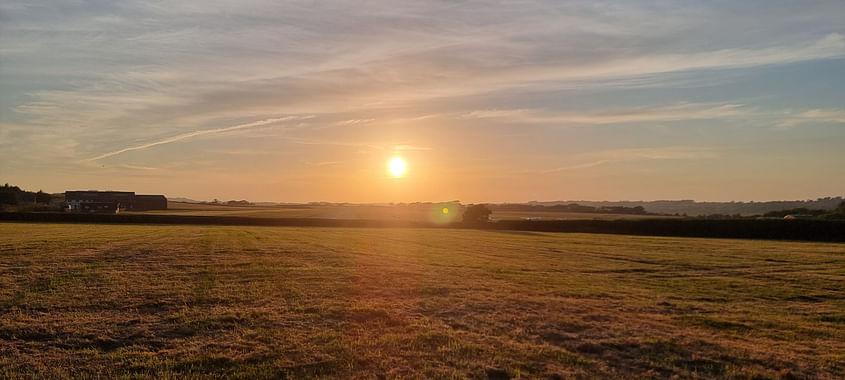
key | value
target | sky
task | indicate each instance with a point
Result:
(486, 101)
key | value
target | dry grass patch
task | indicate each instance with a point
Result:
(123, 301)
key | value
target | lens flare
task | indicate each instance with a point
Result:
(444, 212)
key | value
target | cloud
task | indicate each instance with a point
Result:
(194, 134)
(136, 167)
(359, 144)
(585, 165)
(353, 122)
(680, 111)
(415, 118)
(661, 153)
(199, 72)
(351, 144)
(814, 116)
(595, 159)
(405, 147)
(325, 163)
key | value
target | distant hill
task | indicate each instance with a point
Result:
(183, 200)
(693, 208)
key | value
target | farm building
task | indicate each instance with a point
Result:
(150, 202)
(99, 207)
(76, 199)
(124, 200)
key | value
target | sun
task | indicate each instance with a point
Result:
(397, 167)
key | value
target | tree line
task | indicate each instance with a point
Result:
(837, 213)
(13, 195)
(572, 207)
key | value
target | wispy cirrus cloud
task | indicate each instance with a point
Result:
(406, 147)
(354, 122)
(583, 165)
(185, 136)
(360, 144)
(814, 116)
(325, 163)
(674, 112)
(594, 159)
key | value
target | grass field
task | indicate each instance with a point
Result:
(151, 301)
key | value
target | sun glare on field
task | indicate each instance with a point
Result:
(397, 167)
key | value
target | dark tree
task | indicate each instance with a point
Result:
(9, 194)
(838, 212)
(238, 203)
(477, 214)
(42, 197)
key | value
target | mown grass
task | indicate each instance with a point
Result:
(124, 301)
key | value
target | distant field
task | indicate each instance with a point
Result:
(178, 208)
(146, 301)
(299, 211)
(371, 212)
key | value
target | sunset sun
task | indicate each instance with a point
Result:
(397, 167)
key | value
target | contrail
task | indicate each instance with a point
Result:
(192, 134)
